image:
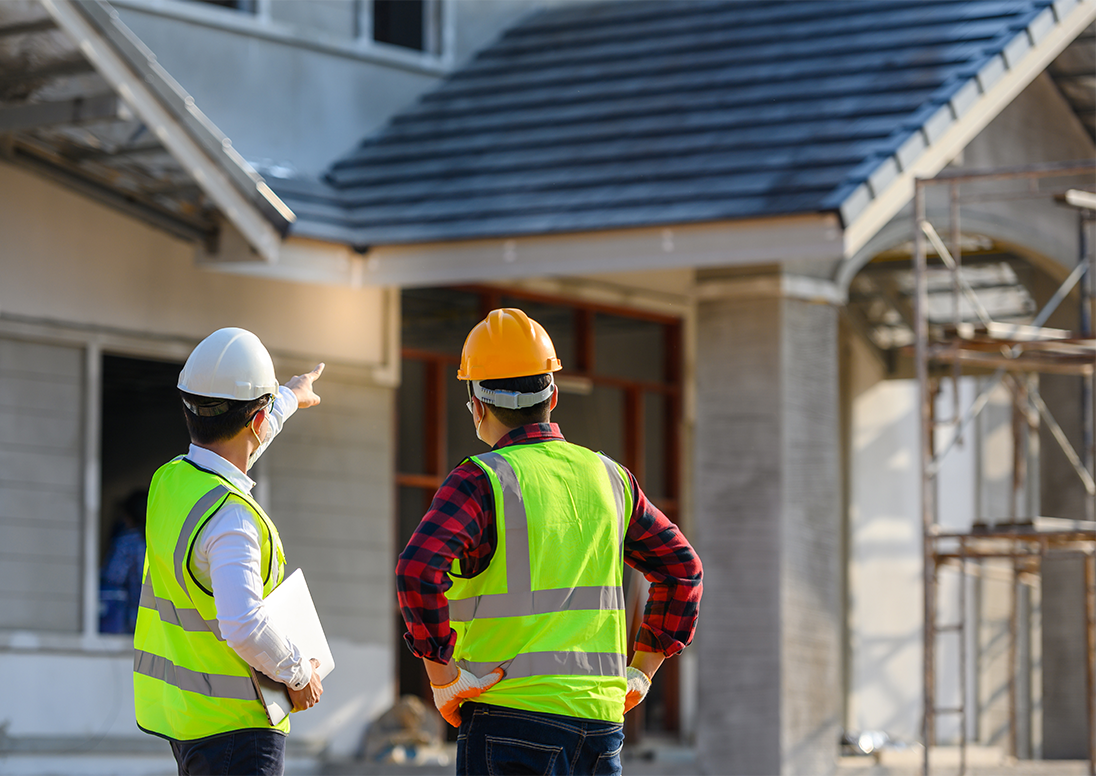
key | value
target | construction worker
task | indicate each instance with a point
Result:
(213, 556)
(511, 586)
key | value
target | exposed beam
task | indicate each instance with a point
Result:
(49, 114)
(46, 72)
(27, 28)
(82, 154)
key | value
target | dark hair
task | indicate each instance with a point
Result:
(232, 415)
(538, 413)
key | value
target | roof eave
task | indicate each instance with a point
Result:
(772, 240)
(867, 206)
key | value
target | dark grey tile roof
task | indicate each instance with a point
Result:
(636, 113)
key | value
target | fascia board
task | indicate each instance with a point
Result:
(959, 120)
(210, 176)
(810, 237)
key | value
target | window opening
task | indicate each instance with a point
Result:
(142, 428)
(244, 6)
(400, 23)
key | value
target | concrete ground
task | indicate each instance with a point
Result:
(682, 764)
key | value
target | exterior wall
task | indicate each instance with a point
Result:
(41, 415)
(884, 599)
(767, 520)
(80, 280)
(67, 259)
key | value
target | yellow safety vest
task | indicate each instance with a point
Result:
(187, 682)
(549, 608)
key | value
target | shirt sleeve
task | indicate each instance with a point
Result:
(229, 556)
(455, 526)
(655, 547)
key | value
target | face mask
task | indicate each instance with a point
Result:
(251, 459)
(472, 409)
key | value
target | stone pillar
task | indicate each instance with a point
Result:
(768, 523)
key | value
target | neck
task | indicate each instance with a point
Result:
(235, 451)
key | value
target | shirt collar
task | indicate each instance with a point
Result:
(534, 432)
(208, 459)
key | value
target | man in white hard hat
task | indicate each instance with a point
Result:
(213, 556)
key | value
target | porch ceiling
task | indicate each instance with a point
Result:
(84, 102)
(1074, 72)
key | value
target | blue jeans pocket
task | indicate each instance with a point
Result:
(608, 763)
(510, 756)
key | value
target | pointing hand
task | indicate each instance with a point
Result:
(301, 385)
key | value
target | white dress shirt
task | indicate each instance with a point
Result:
(227, 559)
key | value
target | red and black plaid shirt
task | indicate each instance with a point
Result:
(461, 524)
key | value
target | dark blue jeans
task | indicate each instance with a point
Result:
(243, 753)
(497, 741)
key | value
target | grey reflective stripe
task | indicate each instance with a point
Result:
(197, 512)
(187, 619)
(238, 688)
(519, 575)
(617, 483)
(530, 664)
(537, 602)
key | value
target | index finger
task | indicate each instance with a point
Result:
(315, 373)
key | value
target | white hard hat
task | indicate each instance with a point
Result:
(229, 364)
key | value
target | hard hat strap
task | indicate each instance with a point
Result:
(512, 400)
(210, 409)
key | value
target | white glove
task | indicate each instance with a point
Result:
(466, 686)
(638, 685)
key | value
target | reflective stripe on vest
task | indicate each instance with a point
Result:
(187, 619)
(239, 688)
(530, 664)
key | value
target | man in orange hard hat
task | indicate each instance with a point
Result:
(511, 586)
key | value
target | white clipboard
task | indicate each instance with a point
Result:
(292, 612)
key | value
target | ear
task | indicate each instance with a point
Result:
(258, 418)
(555, 397)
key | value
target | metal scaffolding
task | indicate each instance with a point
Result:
(1012, 354)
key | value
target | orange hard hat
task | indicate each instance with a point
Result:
(507, 343)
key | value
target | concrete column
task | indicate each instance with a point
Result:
(768, 525)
